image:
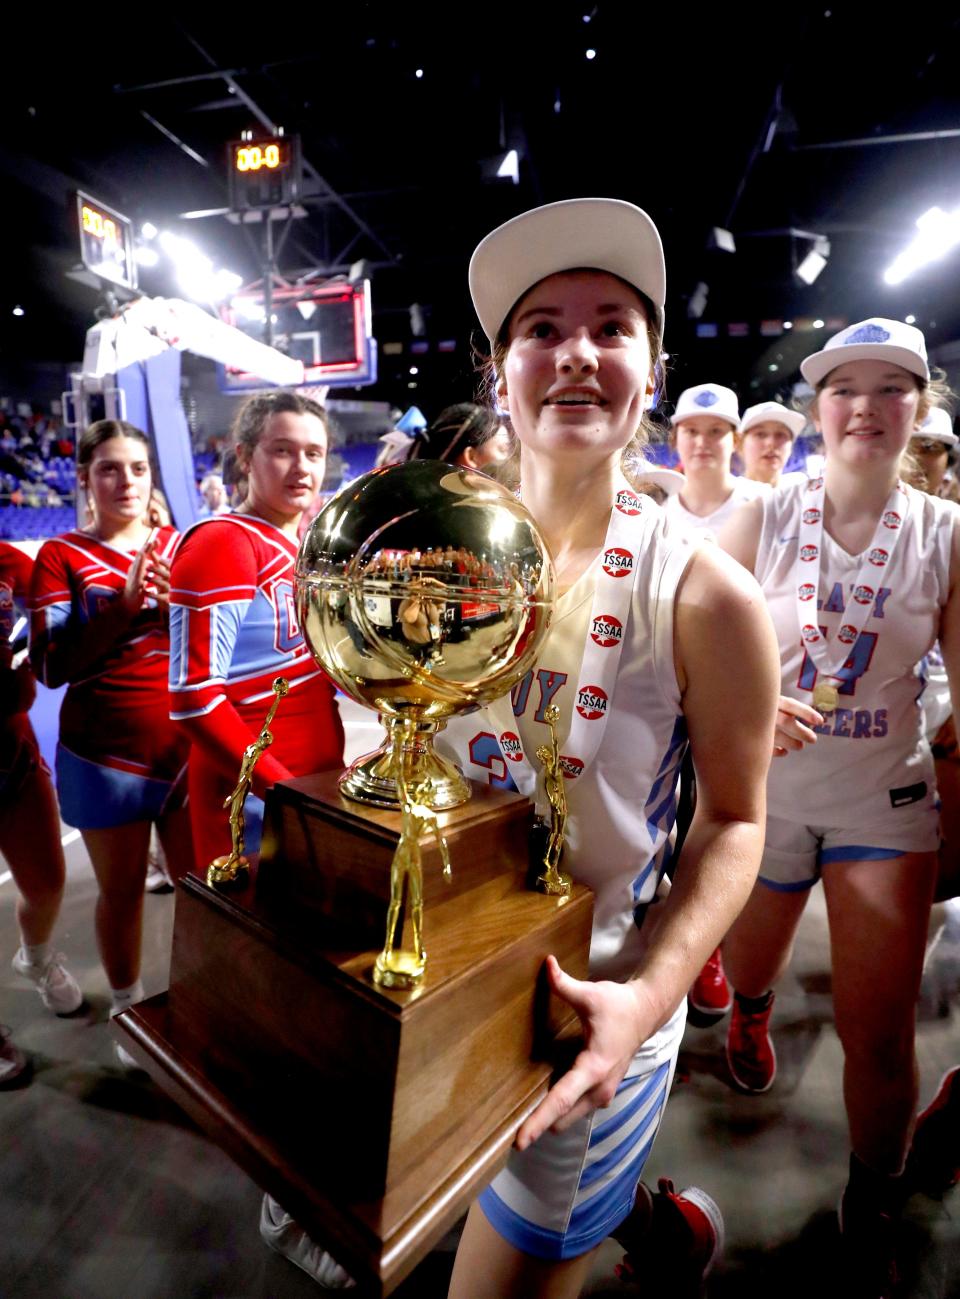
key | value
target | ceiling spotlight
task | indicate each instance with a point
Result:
(591, 54)
(19, 311)
(414, 370)
(818, 324)
(911, 320)
(722, 240)
(148, 230)
(938, 232)
(509, 168)
(419, 74)
(815, 260)
(697, 303)
(788, 324)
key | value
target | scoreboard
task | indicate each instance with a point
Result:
(106, 242)
(264, 173)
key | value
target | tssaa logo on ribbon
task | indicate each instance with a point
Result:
(892, 519)
(606, 630)
(511, 746)
(617, 562)
(863, 594)
(591, 702)
(811, 516)
(807, 553)
(878, 556)
(814, 484)
(847, 634)
(571, 767)
(810, 633)
(628, 503)
(807, 591)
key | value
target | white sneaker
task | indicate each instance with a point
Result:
(12, 1060)
(281, 1233)
(124, 1059)
(58, 989)
(157, 880)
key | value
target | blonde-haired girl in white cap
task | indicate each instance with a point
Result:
(649, 631)
(703, 432)
(765, 439)
(859, 571)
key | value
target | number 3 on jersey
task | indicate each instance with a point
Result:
(854, 668)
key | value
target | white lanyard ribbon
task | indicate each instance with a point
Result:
(617, 567)
(876, 560)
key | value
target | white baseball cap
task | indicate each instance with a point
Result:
(707, 399)
(670, 481)
(605, 234)
(938, 427)
(772, 411)
(875, 339)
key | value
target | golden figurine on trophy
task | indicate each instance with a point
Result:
(230, 870)
(397, 967)
(551, 881)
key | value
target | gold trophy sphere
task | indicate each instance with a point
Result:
(423, 590)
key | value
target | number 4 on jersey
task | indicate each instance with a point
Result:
(854, 668)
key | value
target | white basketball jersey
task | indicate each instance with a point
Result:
(871, 755)
(745, 489)
(622, 805)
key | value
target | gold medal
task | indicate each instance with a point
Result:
(826, 697)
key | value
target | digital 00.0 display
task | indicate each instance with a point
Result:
(263, 173)
(106, 242)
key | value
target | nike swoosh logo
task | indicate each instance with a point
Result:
(784, 540)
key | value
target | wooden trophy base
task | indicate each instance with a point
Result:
(374, 1115)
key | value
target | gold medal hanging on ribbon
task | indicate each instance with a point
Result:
(826, 697)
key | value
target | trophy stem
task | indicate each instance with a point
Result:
(372, 779)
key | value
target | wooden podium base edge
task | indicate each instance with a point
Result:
(378, 1267)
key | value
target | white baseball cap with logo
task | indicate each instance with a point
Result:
(604, 234)
(707, 399)
(876, 339)
(938, 427)
(774, 413)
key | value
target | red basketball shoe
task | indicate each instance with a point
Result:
(710, 995)
(750, 1055)
(934, 1162)
(672, 1239)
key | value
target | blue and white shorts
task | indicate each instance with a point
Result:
(565, 1194)
(794, 854)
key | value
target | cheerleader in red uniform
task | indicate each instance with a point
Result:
(29, 823)
(99, 601)
(233, 625)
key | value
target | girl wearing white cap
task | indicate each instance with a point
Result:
(933, 446)
(648, 633)
(704, 426)
(766, 436)
(859, 572)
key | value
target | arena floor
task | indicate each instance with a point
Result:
(107, 1189)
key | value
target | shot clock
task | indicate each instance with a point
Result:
(263, 173)
(106, 242)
